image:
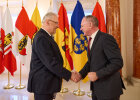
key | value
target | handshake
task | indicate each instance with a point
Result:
(75, 77)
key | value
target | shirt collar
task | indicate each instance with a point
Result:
(47, 31)
(94, 34)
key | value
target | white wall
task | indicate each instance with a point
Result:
(0, 14)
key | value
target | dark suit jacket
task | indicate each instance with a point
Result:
(105, 59)
(46, 67)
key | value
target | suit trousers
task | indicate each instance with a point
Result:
(43, 96)
(94, 97)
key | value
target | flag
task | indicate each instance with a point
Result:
(62, 36)
(35, 23)
(78, 42)
(9, 58)
(22, 29)
(1, 54)
(98, 13)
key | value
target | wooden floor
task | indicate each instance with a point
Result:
(132, 92)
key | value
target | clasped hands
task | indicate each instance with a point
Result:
(76, 77)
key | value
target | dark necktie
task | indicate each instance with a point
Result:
(89, 45)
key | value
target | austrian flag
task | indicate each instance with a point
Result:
(22, 29)
(9, 59)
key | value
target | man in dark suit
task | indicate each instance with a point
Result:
(46, 67)
(104, 62)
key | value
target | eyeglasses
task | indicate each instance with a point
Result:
(53, 21)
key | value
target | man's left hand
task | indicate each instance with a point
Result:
(92, 76)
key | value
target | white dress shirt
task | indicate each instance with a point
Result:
(93, 37)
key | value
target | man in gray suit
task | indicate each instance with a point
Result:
(46, 67)
(104, 62)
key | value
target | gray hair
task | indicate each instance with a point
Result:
(92, 19)
(49, 15)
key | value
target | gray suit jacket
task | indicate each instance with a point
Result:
(46, 67)
(105, 59)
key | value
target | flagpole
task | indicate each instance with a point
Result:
(8, 86)
(36, 2)
(7, 3)
(50, 2)
(20, 86)
(22, 3)
(89, 94)
(79, 92)
(63, 89)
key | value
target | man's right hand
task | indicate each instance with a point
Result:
(75, 77)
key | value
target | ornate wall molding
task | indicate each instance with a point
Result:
(70, 4)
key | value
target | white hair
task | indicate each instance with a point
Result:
(49, 15)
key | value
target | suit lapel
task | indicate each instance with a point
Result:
(55, 46)
(94, 42)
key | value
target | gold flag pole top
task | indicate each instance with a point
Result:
(7, 3)
(50, 2)
(36, 2)
(20, 86)
(22, 3)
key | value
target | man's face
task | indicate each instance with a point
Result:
(85, 27)
(53, 24)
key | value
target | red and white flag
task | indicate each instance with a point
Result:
(98, 13)
(22, 29)
(9, 58)
(1, 55)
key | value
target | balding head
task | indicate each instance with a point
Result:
(92, 19)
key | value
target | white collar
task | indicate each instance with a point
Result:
(47, 32)
(94, 34)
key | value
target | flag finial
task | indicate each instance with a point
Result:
(7, 3)
(50, 2)
(22, 3)
(36, 2)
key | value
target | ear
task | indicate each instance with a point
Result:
(47, 22)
